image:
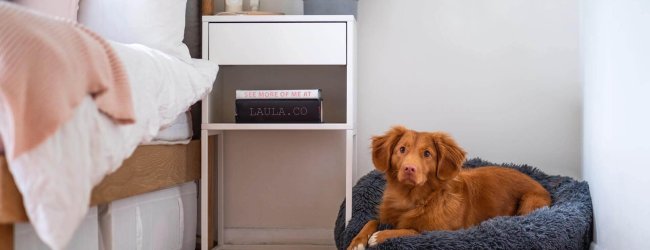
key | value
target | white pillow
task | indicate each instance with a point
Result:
(159, 24)
(61, 8)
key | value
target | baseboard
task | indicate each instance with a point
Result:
(278, 236)
(275, 247)
(594, 246)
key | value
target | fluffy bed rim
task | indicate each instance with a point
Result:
(566, 224)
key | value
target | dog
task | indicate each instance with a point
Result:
(427, 188)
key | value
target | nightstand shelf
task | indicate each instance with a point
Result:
(280, 183)
(276, 126)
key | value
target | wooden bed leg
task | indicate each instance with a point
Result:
(6, 236)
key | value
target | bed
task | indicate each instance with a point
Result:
(148, 168)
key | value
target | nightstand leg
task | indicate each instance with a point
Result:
(207, 189)
(220, 190)
(204, 191)
(349, 165)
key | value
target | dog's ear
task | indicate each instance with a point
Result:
(450, 156)
(382, 147)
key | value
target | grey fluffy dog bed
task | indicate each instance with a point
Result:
(565, 225)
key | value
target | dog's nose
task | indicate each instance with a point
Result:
(409, 169)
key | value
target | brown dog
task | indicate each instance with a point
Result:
(427, 189)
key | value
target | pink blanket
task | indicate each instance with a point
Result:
(47, 66)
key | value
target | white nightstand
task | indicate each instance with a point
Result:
(276, 52)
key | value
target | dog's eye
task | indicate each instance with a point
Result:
(427, 153)
(402, 150)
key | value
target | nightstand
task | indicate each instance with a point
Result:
(278, 52)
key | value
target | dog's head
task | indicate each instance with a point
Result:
(414, 158)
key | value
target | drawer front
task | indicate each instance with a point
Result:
(277, 43)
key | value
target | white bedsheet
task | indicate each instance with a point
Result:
(178, 132)
(56, 178)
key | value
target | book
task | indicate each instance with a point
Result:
(278, 111)
(278, 94)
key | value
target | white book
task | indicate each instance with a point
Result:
(278, 94)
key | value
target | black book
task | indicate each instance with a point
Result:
(278, 111)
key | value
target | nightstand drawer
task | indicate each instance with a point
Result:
(277, 43)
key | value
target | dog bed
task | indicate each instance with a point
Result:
(566, 224)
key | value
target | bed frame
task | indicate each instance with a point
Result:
(150, 168)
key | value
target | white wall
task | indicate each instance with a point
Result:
(616, 59)
(501, 76)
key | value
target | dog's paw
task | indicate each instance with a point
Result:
(359, 246)
(375, 239)
(358, 243)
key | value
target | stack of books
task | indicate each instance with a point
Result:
(279, 106)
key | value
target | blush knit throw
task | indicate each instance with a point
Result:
(47, 66)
